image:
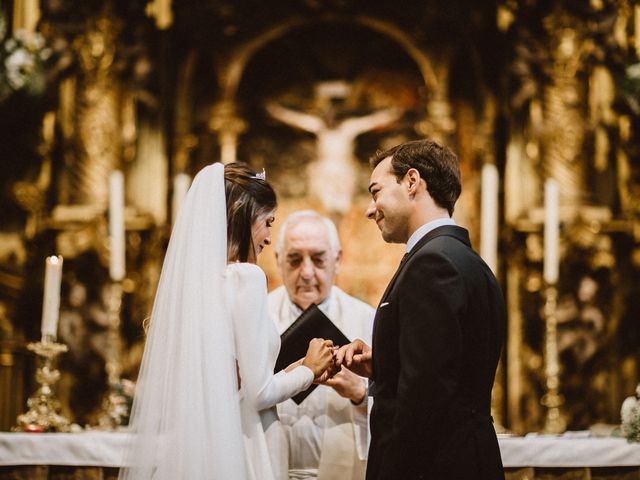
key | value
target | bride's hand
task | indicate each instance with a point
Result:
(319, 356)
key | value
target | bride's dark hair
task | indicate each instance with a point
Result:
(247, 198)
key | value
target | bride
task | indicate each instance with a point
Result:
(206, 392)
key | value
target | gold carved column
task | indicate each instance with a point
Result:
(563, 115)
(439, 124)
(26, 14)
(97, 114)
(228, 126)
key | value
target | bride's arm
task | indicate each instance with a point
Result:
(253, 329)
(293, 365)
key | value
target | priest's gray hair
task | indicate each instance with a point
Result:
(300, 216)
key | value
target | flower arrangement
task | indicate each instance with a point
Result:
(628, 89)
(630, 413)
(22, 58)
(117, 404)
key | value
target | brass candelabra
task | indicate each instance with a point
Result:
(555, 422)
(43, 414)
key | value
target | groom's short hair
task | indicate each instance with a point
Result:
(437, 164)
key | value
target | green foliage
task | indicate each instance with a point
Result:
(629, 88)
(22, 62)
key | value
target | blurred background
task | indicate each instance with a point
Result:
(309, 90)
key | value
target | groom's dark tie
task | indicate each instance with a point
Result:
(402, 262)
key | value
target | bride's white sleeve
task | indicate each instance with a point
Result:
(255, 334)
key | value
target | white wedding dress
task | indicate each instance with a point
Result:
(189, 418)
(257, 346)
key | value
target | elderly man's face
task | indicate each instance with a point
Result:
(308, 264)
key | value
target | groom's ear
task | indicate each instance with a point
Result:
(413, 181)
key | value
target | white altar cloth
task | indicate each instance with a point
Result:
(91, 449)
(105, 449)
(554, 451)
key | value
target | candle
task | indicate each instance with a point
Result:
(181, 183)
(49, 127)
(26, 14)
(489, 216)
(636, 28)
(51, 300)
(551, 232)
(116, 226)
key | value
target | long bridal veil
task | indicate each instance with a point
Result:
(186, 414)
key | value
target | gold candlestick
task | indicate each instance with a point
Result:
(114, 409)
(555, 422)
(43, 414)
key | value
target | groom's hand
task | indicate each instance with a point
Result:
(356, 356)
(348, 385)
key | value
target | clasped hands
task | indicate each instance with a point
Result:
(328, 362)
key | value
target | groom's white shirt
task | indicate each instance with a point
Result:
(327, 434)
(426, 228)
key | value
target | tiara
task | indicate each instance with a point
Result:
(260, 176)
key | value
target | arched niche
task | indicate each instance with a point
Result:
(232, 75)
(343, 66)
(229, 125)
(287, 64)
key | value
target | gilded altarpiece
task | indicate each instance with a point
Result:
(310, 98)
(91, 119)
(308, 91)
(564, 119)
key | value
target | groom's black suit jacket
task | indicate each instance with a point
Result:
(437, 338)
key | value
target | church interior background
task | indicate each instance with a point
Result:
(308, 90)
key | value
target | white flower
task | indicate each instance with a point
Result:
(128, 387)
(627, 410)
(16, 79)
(19, 60)
(45, 53)
(21, 64)
(633, 71)
(630, 414)
(21, 35)
(18, 65)
(35, 41)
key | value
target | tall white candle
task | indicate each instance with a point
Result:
(51, 300)
(26, 14)
(636, 28)
(489, 217)
(116, 226)
(181, 184)
(551, 231)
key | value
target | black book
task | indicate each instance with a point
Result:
(294, 341)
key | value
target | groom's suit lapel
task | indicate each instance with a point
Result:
(454, 231)
(403, 262)
(446, 230)
(449, 230)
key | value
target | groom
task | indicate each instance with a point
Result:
(438, 331)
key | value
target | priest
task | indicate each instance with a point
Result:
(328, 432)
